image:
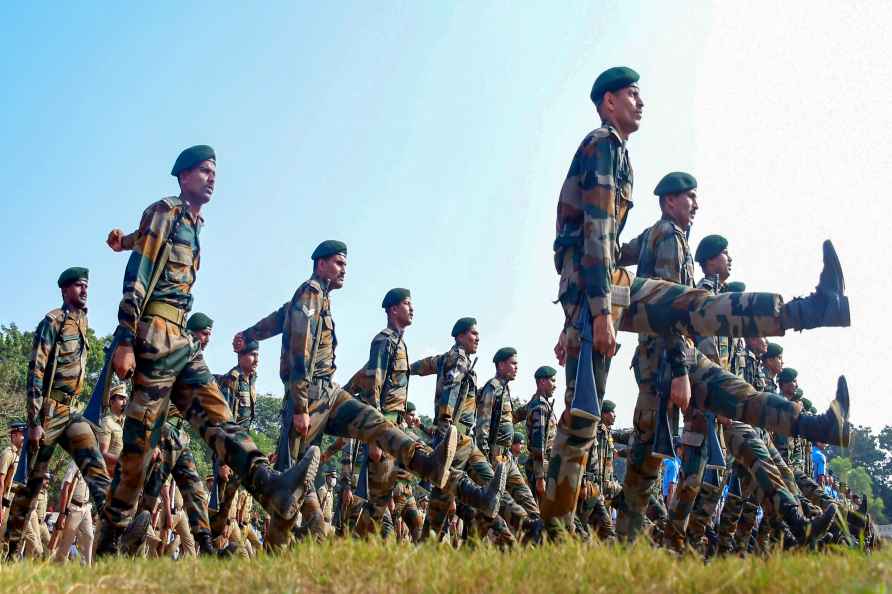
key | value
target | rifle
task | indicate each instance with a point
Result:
(586, 401)
(98, 403)
(663, 432)
(716, 458)
(284, 461)
(214, 501)
(27, 457)
(362, 485)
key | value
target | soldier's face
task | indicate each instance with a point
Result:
(333, 269)
(758, 345)
(75, 294)
(469, 340)
(17, 438)
(789, 389)
(682, 207)
(117, 403)
(720, 265)
(403, 313)
(508, 368)
(197, 184)
(625, 108)
(608, 418)
(203, 336)
(516, 448)
(248, 361)
(546, 385)
(775, 364)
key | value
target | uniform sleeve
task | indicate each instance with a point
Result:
(304, 323)
(44, 339)
(153, 229)
(129, 240)
(269, 326)
(426, 366)
(536, 444)
(631, 252)
(228, 389)
(484, 416)
(369, 381)
(668, 256)
(597, 164)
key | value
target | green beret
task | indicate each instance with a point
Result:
(410, 406)
(395, 297)
(191, 157)
(806, 403)
(544, 372)
(518, 437)
(607, 406)
(504, 353)
(17, 426)
(612, 79)
(72, 275)
(329, 247)
(250, 345)
(787, 375)
(463, 325)
(199, 321)
(710, 247)
(773, 350)
(675, 183)
(734, 287)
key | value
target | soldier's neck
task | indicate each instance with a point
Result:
(395, 326)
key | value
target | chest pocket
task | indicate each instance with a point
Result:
(181, 265)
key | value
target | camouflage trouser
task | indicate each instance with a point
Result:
(170, 368)
(312, 520)
(657, 308)
(406, 507)
(516, 486)
(226, 492)
(335, 412)
(690, 477)
(176, 459)
(593, 511)
(74, 435)
(812, 491)
(703, 512)
(728, 521)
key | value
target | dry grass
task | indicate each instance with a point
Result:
(349, 566)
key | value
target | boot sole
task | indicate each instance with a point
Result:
(451, 446)
(307, 466)
(831, 261)
(841, 406)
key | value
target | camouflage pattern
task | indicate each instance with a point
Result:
(494, 400)
(174, 286)
(541, 426)
(240, 392)
(384, 381)
(58, 413)
(599, 485)
(298, 321)
(176, 460)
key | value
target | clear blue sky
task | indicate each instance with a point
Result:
(431, 137)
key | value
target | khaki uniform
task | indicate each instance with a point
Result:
(79, 524)
(9, 461)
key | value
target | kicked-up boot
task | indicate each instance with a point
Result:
(808, 532)
(281, 493)
(828, 306)
(485, 500)
(434, 466)
(134, 536)
(832, 426)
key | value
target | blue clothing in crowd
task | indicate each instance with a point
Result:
(670, 473)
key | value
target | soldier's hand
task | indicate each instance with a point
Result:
(224, 473)
(540, 487)
(375, 453)
(123, 361)
(35, 436)
(680, 392)
(114, 240)
(604, 335)
(347, 496)
(301, 423)
(238, 342)
(560, 349)
(723, 421)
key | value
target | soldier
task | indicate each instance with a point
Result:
(494, 433)
(599, 485)
(169, 367)
(592, 209)
(455, 408)
(772, 364)
(307, 369)
(541, 425)
(326, 496)
(9, 461)
(56, 376)
(111, 428)
(77, 513)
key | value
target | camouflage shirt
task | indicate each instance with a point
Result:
(384, 381)
(600, 461)
(66, 329)
(456, 391)
(716, 348)
(494, 399)
(174, 286)
(298, 321)
(592, 208)
(753, 372)
(241, 393)
(541, 428)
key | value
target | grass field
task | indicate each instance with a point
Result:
(373, 567)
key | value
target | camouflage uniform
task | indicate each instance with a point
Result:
(592, 210)
(541, 426)
(170, 367)
(599, 486)
(65, 331)
(495, 411)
